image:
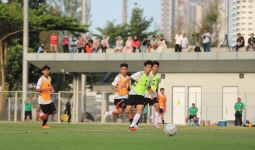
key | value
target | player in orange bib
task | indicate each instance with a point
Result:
(120, 95)
(162, 104)
(45, 89)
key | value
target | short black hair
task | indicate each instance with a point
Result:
(45, 67)
(155, 63)
(148, 62)
(162, 89)
(123, 65)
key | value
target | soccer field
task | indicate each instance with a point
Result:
(31, 136)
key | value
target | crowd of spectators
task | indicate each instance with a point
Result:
(183, 43)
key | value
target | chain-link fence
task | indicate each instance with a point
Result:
(92, 107)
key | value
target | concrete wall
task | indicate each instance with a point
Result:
(212, 86)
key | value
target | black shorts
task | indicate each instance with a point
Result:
(48, 108)
(122, 103)
(28, 113)
(191, 117)
(135, 100)
(151, 102)
(161, 110)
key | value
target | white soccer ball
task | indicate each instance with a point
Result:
(170, 129)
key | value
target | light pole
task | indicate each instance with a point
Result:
(25, 50)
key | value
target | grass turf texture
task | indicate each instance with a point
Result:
(30, 136)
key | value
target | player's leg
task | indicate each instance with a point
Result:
(161, 110)
(119, 110)
(157, 112)
(139, 111)
(46, 110)
(129, 112)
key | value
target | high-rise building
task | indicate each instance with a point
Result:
(124, 12)
(242, 19)
(165, 19)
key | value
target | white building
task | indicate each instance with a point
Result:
(242, 18)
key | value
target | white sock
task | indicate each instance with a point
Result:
(156, 118)
(135, 119)
(109, 113)
(41, 114)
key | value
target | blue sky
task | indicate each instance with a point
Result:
(110, 10)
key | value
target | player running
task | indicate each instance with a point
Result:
(136, 95)
(162, 103)
(152, 99)
(121, 95)
(45, 89)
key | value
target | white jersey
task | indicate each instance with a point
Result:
(39, 86)
(115, 83)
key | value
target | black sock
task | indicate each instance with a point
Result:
(163, 121)
(138, 122)
(130, 120)
(44, 122)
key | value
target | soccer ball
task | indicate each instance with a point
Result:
(170, 129)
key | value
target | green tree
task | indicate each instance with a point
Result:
(211, 22)
(113, 31)
(11, 16)
(138, 25)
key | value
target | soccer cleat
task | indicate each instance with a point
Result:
(132, 129)
(45, 127)
(157, 126)
(39, 117)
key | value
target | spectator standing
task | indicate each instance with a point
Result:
(206, 40)
(239, 41)
(178, 42)
(81, 44)
(104, 44)
(54, 43)
(96, 45)
(251, 42)
(119, 45)
(65, 44)
(41, 48)
(185, 42)
(239, 107)
(28, 108)
(68, 111)
(161, 44)
(74, 43)
(145, 45)
(136, 43)
(89, 46)
(128, 45)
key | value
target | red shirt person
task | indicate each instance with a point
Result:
(54, 43)
(136, 43)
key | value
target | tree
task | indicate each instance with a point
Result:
(211, 22)
(11, 24)
(138, 25)
(113, 31)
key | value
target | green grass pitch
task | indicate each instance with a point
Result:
(30, 136)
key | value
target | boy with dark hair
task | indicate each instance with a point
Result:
(45, 89)
(136, 95)
(152, 99)
(162, 103)
(121, 95)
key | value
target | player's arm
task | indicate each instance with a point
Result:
(115, 84)
(124, 83)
